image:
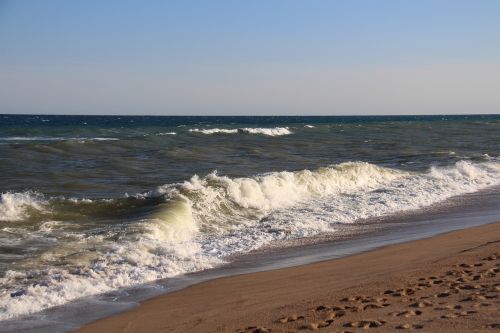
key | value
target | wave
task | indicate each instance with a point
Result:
(214, 130)
(275, 131)
(166, 133)
(197, 224)
(222, 203)
(262, 194)
(16, 206)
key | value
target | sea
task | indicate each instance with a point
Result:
(92, 206)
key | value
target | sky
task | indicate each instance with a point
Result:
(254, 57)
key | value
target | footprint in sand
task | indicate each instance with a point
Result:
(366, 324)
(409, 327)
(373, 306)
(311, 326)
(468, 299)
(316, 326)
(338, 313)
(449, 316)
(290, 318)
(400, 292)
(421, 304)
(424, 285)
(465, 313)
(491, 258)
(448, 307)
(323, 307)
(262, 330)
(443, 308)
(406, 314)
(465, 265)
(477, 277)
(479, 305)
(469, 286)
(492, 272)
(330, 316)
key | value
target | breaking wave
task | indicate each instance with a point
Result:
(275, 131)
(197, 224)
(16, 206)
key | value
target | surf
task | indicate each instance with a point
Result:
(197, 224)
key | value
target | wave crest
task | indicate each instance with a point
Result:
(283, 189)
(16, 206)
(275, 131)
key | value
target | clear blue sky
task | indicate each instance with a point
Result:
(249, 57)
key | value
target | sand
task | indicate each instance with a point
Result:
(447, 283)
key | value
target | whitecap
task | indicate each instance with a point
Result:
(15, 206)
(275, 131)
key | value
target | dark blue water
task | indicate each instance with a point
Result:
(60, 157)
(169, 121)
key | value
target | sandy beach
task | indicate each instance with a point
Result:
(447, 283)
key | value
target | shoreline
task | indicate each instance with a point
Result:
(255, 302)
(461, 212)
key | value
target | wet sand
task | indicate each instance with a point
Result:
(446, 283)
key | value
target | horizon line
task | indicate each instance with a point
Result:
(215, 115)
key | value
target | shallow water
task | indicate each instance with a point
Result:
(94, 204)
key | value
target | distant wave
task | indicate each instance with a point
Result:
(195, 225)
(275, 131)
(166, 133)
(214, 130)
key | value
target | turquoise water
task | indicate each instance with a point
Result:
(91, 204)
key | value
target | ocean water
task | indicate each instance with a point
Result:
(92, 204)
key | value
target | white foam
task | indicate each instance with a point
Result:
(166, 133)
(283, 189)
(98, 139)
(206, 219)
(275, 131)
(214, 130)
(15, 206)
(309, 126)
